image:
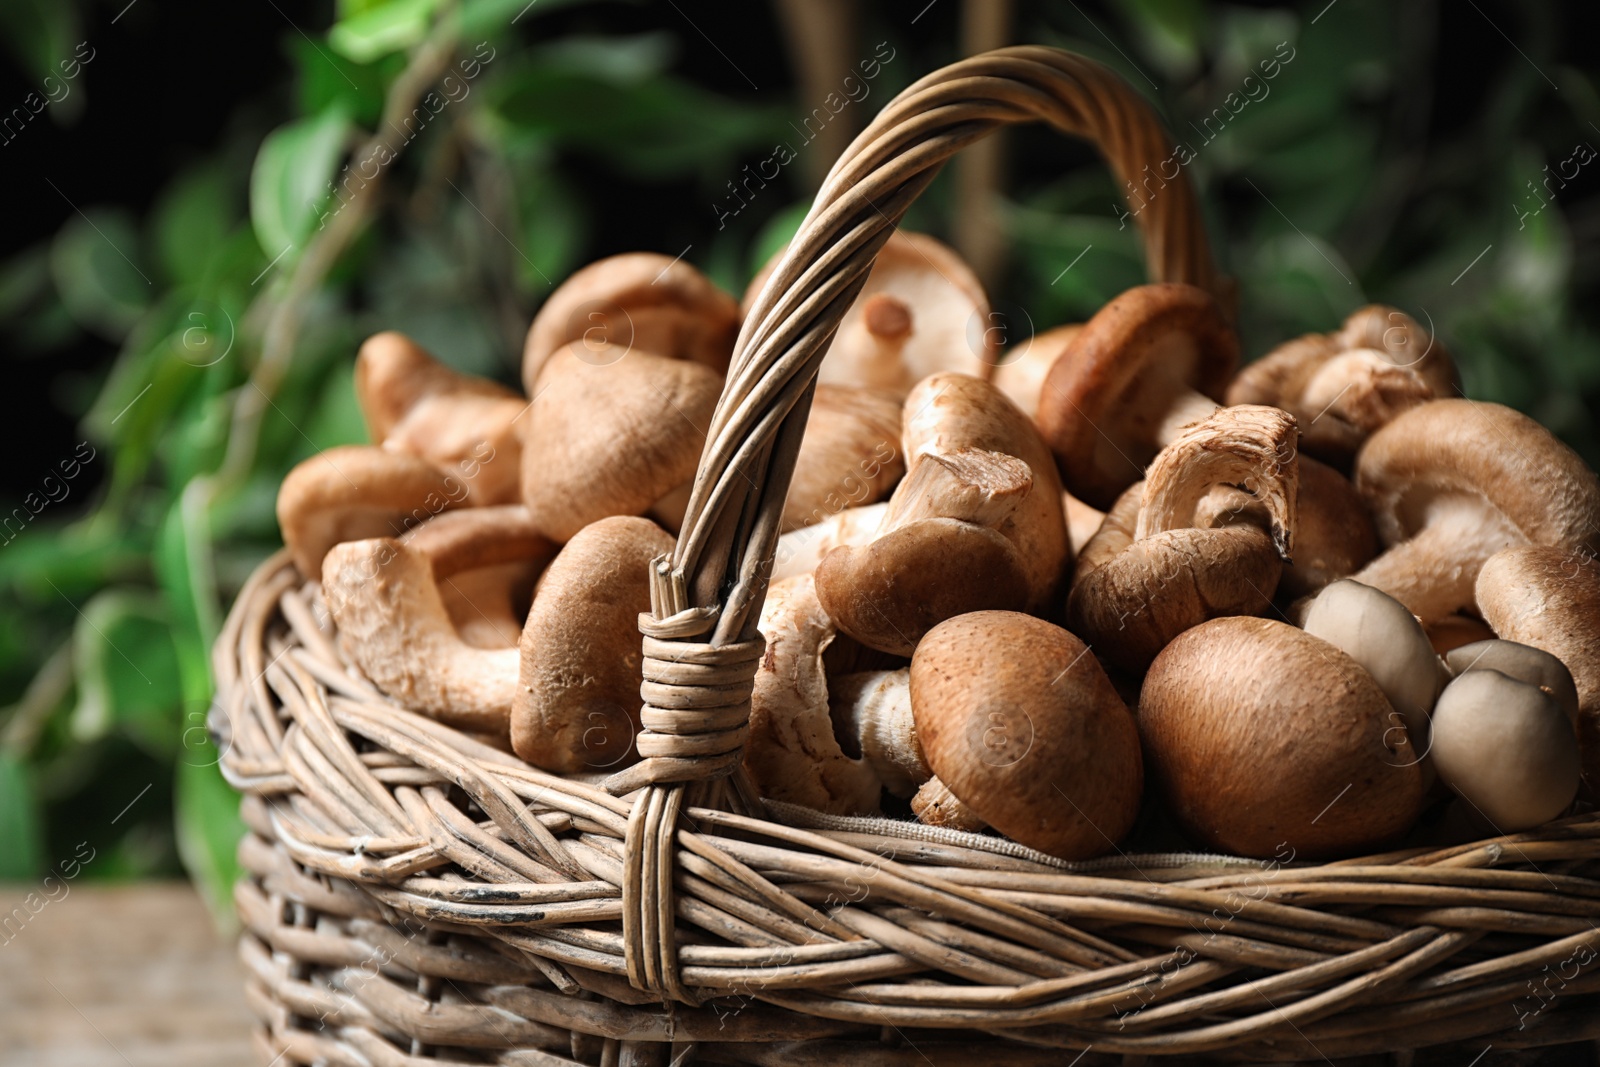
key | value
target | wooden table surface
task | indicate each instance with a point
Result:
(122, 976)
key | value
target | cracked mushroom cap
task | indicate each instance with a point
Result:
(1451, 482)
(922, 310)
(850, 454)
(462, 424)
(1023, 727)
(612, 439)
(1343, 386)
(393, 624)
(1173, 553)
(793, 753)
(1264, 737)
(634, 302)
(1550, 598)
(1148, 363)
(582, 663)
(352, 492)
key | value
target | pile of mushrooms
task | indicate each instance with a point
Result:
(1326, 596)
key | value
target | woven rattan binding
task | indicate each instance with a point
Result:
(417, 897)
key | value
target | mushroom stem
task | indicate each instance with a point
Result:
(1187, 407)
(1433, 572)
(972, 485)
(799, 551)
(873, 709)
(935, 805)
(886, 317)
(1249, 447)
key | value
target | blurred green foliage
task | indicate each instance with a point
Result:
(237, 303)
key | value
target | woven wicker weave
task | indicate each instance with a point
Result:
(416, 897)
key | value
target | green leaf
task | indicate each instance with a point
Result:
(209, 830)
(94, 263)
(184, 567)
(380, 29)
(127, 670)
(325, 79)
(192, 219)
(39, 33)
(776, 234)
(21, 830)
(290, 180)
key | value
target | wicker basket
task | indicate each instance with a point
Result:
(416, 897)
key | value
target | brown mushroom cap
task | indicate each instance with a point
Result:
(850, 454)
(921, 311)
(352, 492)
(1452, 482)
(635, 302)
(1021, 724)
(578, 705)
(462, 424)
(393, 625)
(1342, 386)
(1333, 534)
(612, 439)
(1264, 737)
(792, 752)
(1550, 598)
(1128, 380)
(940, 552)
(1153, 570)
(1021, 371)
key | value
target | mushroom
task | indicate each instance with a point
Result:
(1453, 631)
(1550, 599)
(612, 438)
(850, 453)
(577, 704)
(635, 302)
(485, 561)
(352, 492)
(461, 424)
(1377, 631)
(792, 752)
(1333, 534)
(921, 311)
(393, 625)
(1522, 662)
(1343, 386)
(1452, 482)
(1264, 737)
(1083, 522)
(800, 551)
(949, 412)
(1021, 372)
(1167, 558)
(939, 552)
(1506, 748)
(1145, 366)
(1021, 726)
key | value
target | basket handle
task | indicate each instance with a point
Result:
(715, 581)
(701, 646)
